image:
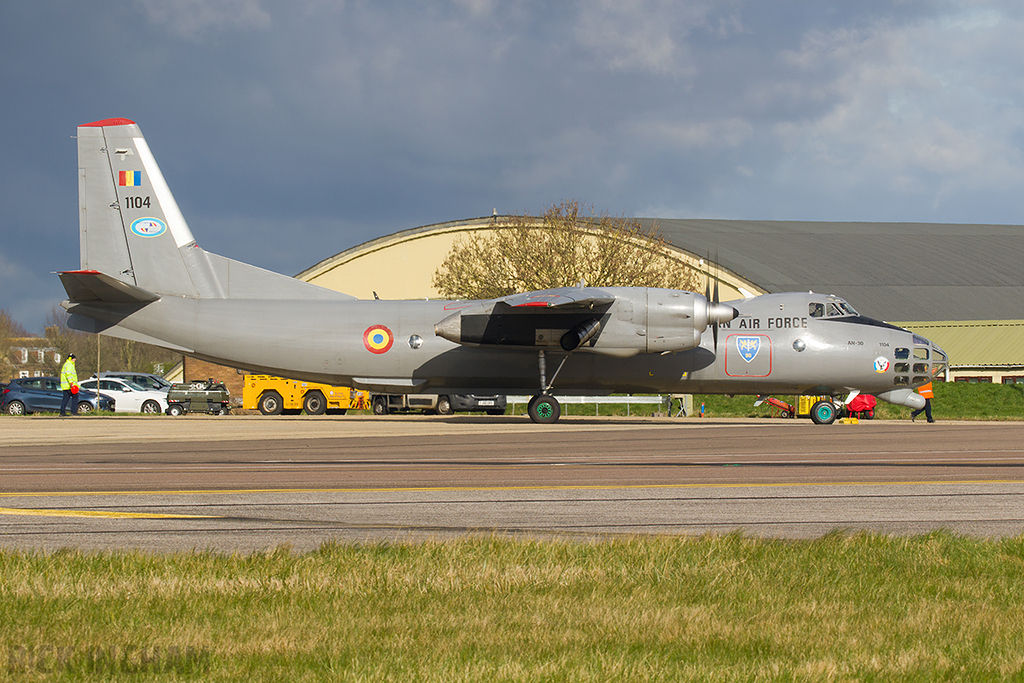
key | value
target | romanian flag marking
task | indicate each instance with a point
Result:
(129, 178)
(378, 339)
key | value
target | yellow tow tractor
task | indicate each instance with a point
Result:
(277, 395)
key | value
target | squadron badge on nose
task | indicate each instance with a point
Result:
(748, 347)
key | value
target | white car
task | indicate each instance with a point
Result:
(128, 396)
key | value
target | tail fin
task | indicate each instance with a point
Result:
(131, 227)
(132, 230)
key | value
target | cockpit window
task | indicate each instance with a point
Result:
(846, 308)
(816, 310)
(837, 307)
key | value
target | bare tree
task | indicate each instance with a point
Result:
(100, 352)
(67, 340)
(9, 329)
(557, 249)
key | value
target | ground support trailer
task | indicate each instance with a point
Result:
(203, 396)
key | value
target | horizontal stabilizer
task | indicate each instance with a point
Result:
(87, 286)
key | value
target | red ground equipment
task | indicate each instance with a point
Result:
(862, 406)
(778, 408)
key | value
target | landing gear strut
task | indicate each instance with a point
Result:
(543, 407)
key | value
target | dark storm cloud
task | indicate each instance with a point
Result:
(292, 131)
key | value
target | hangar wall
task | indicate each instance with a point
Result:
(402, 265)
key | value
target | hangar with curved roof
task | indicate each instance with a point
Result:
(962, 286)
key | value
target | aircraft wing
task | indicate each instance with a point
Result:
(620, 322)
(562, 297)
(566, 317)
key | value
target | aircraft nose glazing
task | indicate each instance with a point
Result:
(940, 362)
(930, 362)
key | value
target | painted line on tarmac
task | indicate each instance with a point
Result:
(485, 489)
(99, 514)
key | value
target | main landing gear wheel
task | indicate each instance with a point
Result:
(544, 409)
(823, 412)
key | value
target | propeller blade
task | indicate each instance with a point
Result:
(714, 328)
(718, 270)
(707, 276)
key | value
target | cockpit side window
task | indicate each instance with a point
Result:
(835, 307)
(816, 310)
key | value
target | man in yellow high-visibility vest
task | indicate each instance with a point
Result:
(928, 394)
(69, 386)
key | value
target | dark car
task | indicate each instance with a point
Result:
(42, 394)
(144, 379)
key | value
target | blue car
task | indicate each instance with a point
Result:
(26, 395)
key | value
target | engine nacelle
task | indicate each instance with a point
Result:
(676, 320)
(656, 321)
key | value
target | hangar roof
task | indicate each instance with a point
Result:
(890, 271)
(899, 272)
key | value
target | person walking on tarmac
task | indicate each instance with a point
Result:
(69, 386)
(928, 394)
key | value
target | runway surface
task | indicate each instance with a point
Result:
(249, 483)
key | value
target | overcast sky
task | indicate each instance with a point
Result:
(290, 131)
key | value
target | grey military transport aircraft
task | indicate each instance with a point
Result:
(143, 277)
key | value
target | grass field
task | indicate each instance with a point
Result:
(719, 608)
(865, 608)
(953, 401)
